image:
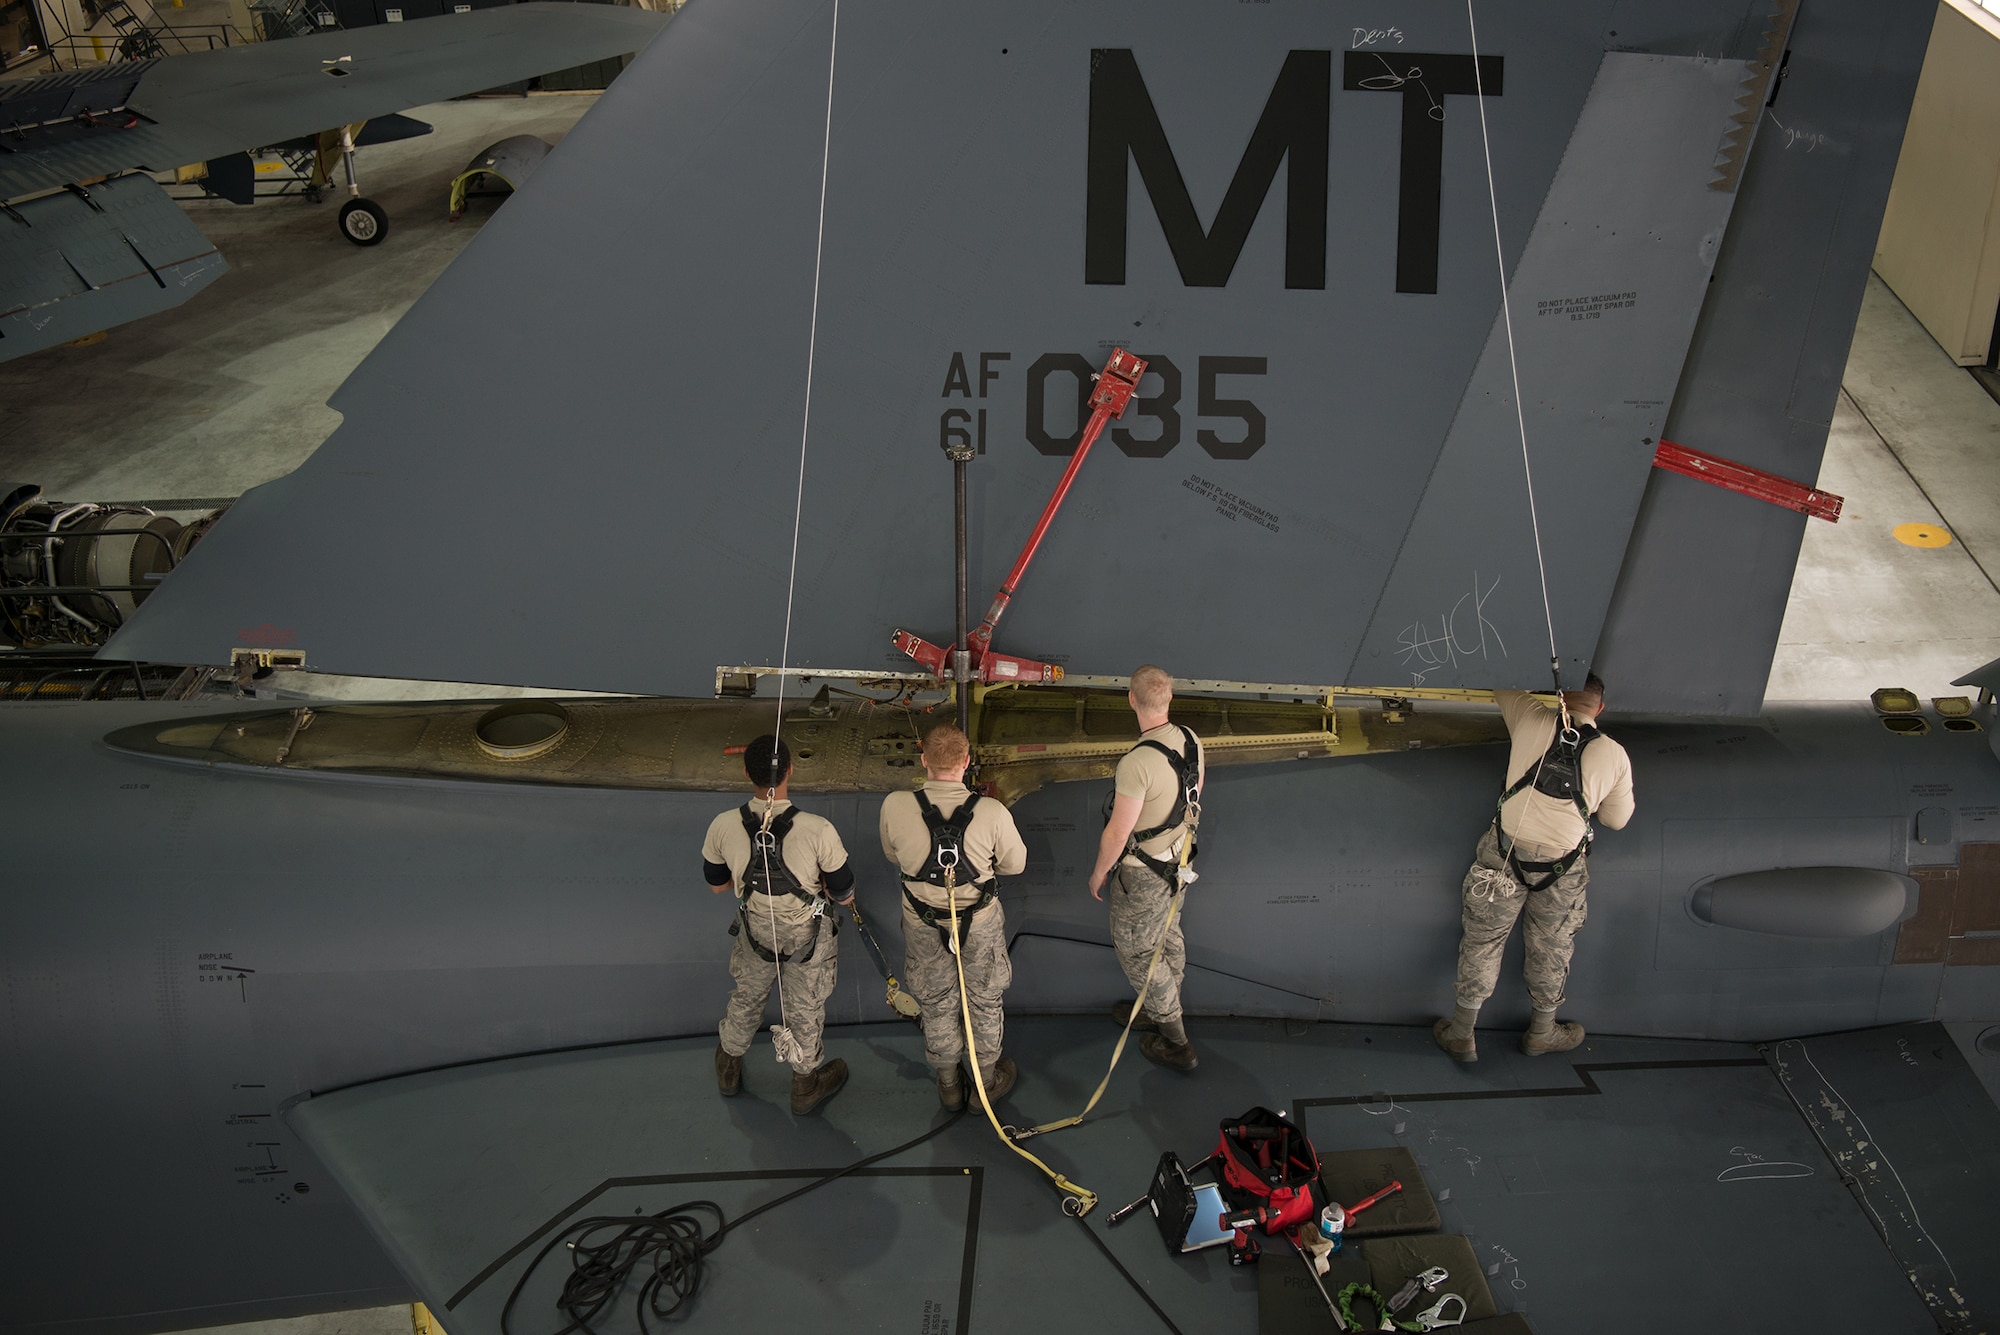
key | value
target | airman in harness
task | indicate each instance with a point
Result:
(952, 845)
(1535, 856)
(785, 865)
(1144, 851)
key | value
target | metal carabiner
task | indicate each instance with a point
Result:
(1433, 1317)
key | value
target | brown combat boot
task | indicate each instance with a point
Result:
(1163, 1051)
(1461, 1049)
(809, 1091)
(728, 1073)
(999, 1081)
(951, 1089)
(1558, 1037)
(1123, 1012)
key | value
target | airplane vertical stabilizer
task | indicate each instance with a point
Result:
(1283, 208)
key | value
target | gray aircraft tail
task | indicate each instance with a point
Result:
(779, 265)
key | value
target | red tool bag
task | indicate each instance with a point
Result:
(1270, 1177)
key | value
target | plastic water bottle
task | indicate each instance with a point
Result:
(1333, 1224)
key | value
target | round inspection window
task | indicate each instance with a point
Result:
(521, 730)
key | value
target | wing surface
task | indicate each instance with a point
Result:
(164, 113)
(75, 263)
(1323, 458)
(467, 1174)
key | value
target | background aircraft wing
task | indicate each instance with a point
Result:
(161, 114)
(1321, 479)
(74, 263)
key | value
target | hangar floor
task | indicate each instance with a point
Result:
(229, 391)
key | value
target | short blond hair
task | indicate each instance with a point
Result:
(945, 748)
(1152, 689)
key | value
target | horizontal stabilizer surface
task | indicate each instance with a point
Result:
(72, 264)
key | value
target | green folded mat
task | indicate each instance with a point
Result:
(1350, 1176)
(1288, 1304)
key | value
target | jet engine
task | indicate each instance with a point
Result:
(71, 573)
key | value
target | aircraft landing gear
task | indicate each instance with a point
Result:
(363, 222)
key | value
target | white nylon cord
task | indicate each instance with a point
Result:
(1513, 362)
(782, 1041)
(812, 348)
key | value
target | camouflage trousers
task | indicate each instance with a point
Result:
(932, 976)
(808, 983)
(1493, 899)
(1139, 903)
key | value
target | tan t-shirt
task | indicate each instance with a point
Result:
(812, 849)
(1548, 827)
(1145, 773)
(993, 846)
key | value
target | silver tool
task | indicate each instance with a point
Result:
(1120, 1215)
(1339, 1321)
(1424, 1281)
(1433, 1317)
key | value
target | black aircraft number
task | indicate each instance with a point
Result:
(1159, 398)
(1152, 426)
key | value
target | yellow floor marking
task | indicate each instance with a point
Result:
(1922, 535)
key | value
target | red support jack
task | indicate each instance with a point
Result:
(1113, 390)
(1748, 481)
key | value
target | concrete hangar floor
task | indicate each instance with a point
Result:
(193, 406)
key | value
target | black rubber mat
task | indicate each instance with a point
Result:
(1351, 1176)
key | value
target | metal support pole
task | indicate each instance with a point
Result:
(961, 657)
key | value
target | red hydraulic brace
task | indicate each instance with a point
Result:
(1748, 481)
(1115, 384)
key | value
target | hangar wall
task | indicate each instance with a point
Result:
(1940, 244)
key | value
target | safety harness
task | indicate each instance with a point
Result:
(1558, 774)
(947, 855)
(769, 874)
(1187, 780)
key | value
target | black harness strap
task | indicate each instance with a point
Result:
(947, 841)
(943, 867)
(1558, 774)
(767, 853)
(808, 950)
(771, 843)
(1187, 778)
(939, 920)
